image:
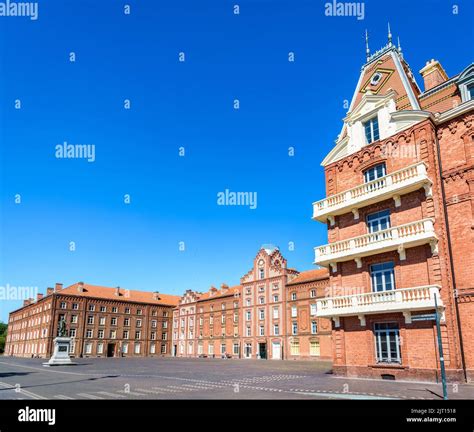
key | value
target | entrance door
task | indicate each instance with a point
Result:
(262, 350)
(110, 350)
(276, 351)
(175, 350)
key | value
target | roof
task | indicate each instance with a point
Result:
(109, 293)
(230, 291)
(309, 276)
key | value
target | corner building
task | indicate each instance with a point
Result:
(270, 315)
(399, 213)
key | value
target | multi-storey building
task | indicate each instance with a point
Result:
(399, 213)
(253, 319)
(102, 322)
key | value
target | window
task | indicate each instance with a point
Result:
(236, 317)
(248, 350)
(201, 321)
(378, 221)
(262, 331)
(100, 348)
(247, 315)
(312, 293)
(75, 306)
(102, 321)
(164, 336)
(139, 322)
(295, 348)
(125, 348)
(152, 348)
(223, 306)
(114, 309)
(72, 333)
(470, 92)
(275, 298)
(223, 319)
(163, 348)
(88, 348)
(113, 334)
(235, 349)
(248, 332)
(261, 288)
(211, 319)
(275, 313)
(137, 348)
(261, 314)
(138, 334)
(127, 310)
(88, 333)
(375, 78)
(262, 273)
(314, 327)
(63, 305)
(153, 323)
(382, 277)
(153, 313)
(200, 348)
(387, 343)
(113, 321)
(374, 172)
(126, 322)
(210, 349)
(314, 348)
(223, 348)
(312, 309)
(371, 128)
(102, 309)
(100, 334)
(261, 300)
(294, 311)
(74, 319)
(90, 319)
(276, 329)
(293, 296)
(91, 308)
(294, 328)
(165, 314)
(125, 334)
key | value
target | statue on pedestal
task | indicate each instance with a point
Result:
(62, 345)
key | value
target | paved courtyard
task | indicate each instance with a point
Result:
(175, 378)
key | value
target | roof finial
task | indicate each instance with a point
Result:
(399, 46)
(389, 35)
(367, 50)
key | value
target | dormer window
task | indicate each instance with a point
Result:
(371, 128)
(470, 92)
(374, 172)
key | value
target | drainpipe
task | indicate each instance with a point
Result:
(451, 264)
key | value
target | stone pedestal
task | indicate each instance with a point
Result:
(60, 355)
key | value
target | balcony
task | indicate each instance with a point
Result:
(396, 238)
(392, 185)
(405, 300)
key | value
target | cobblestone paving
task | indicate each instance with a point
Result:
(174, 378)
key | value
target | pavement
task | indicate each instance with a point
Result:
(180, 378)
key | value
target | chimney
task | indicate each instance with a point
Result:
(433, 74)
(212, 290)
(224, 287)
(117, 291)
(39, 296)
(49, 291)
(26, 302)
(156, 295)
(80, 287)
(58, 287)
(31, 300)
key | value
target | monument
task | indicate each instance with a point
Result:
(62, 344)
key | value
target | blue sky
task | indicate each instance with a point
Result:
(187, 104)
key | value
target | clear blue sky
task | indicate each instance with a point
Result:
(186, 104)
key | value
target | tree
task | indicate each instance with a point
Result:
(3, 336)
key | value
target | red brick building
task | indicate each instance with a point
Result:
(102, 322)
(399, 212)
(254, 319)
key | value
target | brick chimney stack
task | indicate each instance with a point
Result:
(80, 287)
(39, 296)
(117, 291)
(26, 302)
(433, 74)
(49, 291)
(58, 287)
